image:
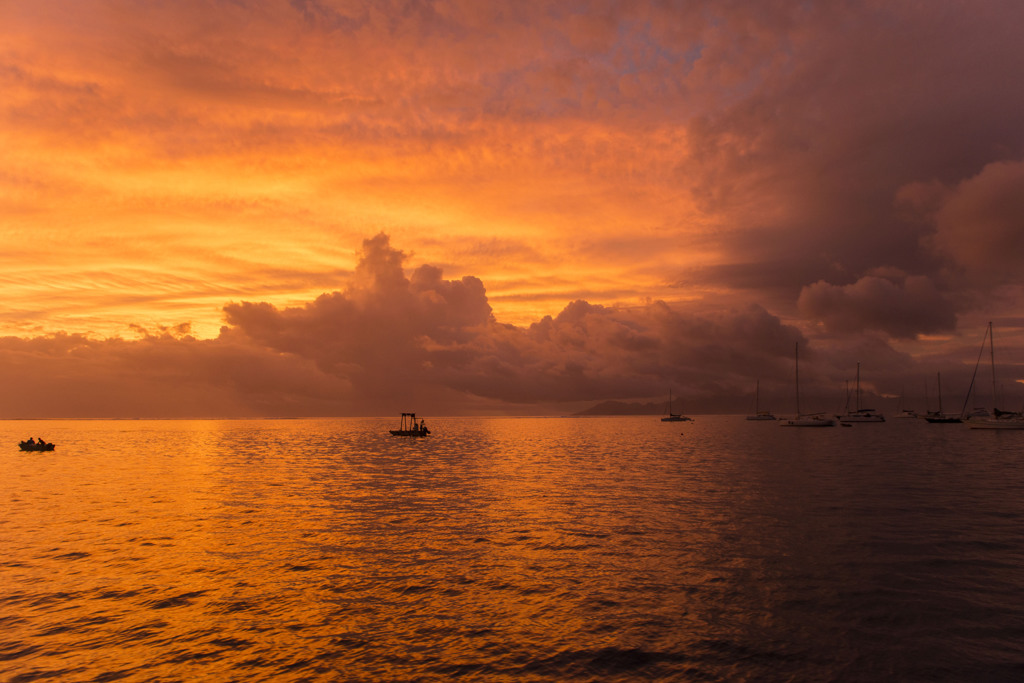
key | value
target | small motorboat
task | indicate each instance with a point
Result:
(32, 445)
(410, 426)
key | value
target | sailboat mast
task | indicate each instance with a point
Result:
(858, 386)
(796, 365)
(938, 377)
(992, 351)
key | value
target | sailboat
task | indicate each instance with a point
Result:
(860, 414)
(801, 420)
(673, 417)
(938, 417)
(905, 413)
(1000, 419)
(758, 413)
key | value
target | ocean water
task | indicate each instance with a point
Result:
(561, 549)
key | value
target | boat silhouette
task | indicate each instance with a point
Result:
(758, 413)
(804, 419)
(860, 414)
(32, 445)
(410, 426)
(674, 417)
(1000, 419)
(939, 417)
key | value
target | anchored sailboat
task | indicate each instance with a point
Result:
(758, 413)
(939, 417)
(861, 414)
(673, 417)
(801, 420)
(905, 413)
(1000, 419)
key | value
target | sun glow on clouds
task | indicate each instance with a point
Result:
(843, 166)
(295, 133)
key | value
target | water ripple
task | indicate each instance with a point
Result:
(512, 549)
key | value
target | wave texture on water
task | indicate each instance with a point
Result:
(601, 549)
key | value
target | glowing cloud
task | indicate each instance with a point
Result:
(782, 159)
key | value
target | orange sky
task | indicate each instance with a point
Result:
(164, 159)
(855, 171)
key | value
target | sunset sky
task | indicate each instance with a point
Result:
(315, 207)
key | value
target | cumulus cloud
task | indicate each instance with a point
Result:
(378, 331)
(388, 333)
(901, 309)
(980, 224)
(393, 339)
(389, 339)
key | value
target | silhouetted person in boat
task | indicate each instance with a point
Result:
(31, 441)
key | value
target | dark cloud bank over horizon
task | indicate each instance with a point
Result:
(392, 341)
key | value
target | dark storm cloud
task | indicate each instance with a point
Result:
(860, 101)
(980, 224)
(900, 309)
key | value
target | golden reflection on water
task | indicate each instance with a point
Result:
(496, 549)
(152, 546)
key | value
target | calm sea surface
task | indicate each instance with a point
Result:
(575, 549)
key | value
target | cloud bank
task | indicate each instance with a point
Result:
(844, 174)
(900, 309)
(388, 339)
(395, 339)
(389, 334)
